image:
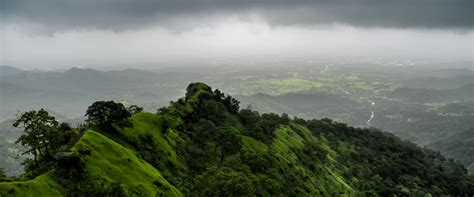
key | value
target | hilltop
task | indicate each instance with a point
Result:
(204, 145)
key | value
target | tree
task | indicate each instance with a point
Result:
(249, 118)
(65, 134)
(228, 141)
(231, 104)
(168, 121)
(224, 181)
(40, 132)
(106, 113)
(133, 109)
(211, 110)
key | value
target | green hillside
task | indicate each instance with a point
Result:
(460, 147)
(204, 145)
(43, 185)
(108, 162)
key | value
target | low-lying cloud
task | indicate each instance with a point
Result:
(231, 40)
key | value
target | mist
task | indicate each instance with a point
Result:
(228, 40)
(153, 34)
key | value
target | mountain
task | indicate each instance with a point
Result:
(463, 93)
(8, 70)
(310, 105)
(70, 91)
(203, 145)
(459, 147)
(447, 81)
(8, 149)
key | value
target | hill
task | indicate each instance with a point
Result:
(8, 149)
(463, 93)
(8, 70)
(204, 145)
(459, 147)
(70, 91)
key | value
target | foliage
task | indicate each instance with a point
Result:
(134, 109)
(315, 157)
(107, 163)
(105, 113)
(43, 185)
(41, 134)
(459, 146)
(224, 181)
(228, 142)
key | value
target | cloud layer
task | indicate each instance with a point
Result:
(136, 14)
(63, 33)
(232, 41)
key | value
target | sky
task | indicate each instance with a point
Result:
(142, 33)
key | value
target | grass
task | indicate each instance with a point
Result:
(148, 123)
(252, 145)
(325, 179)
(42, 185)
(110, 162)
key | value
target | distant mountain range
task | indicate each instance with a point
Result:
(74, 89)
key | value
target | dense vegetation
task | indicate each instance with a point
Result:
(459, 146)
(205, 145)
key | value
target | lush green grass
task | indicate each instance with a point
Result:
(285, 140)
(110, 162)
(325, 179)
(150, 124)
(42, 185)
(252, 145)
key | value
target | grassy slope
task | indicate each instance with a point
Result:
(107, 162)
(148, 123)
(326, 180)
(42, 185)
(111, 162)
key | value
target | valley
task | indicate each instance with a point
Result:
(412, 107)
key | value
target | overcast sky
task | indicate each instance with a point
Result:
(66, 33)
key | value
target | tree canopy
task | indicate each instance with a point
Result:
(40, 133)
(105, 113)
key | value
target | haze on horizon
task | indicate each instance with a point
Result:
(55, 34)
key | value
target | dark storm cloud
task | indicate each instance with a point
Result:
(131, 14)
